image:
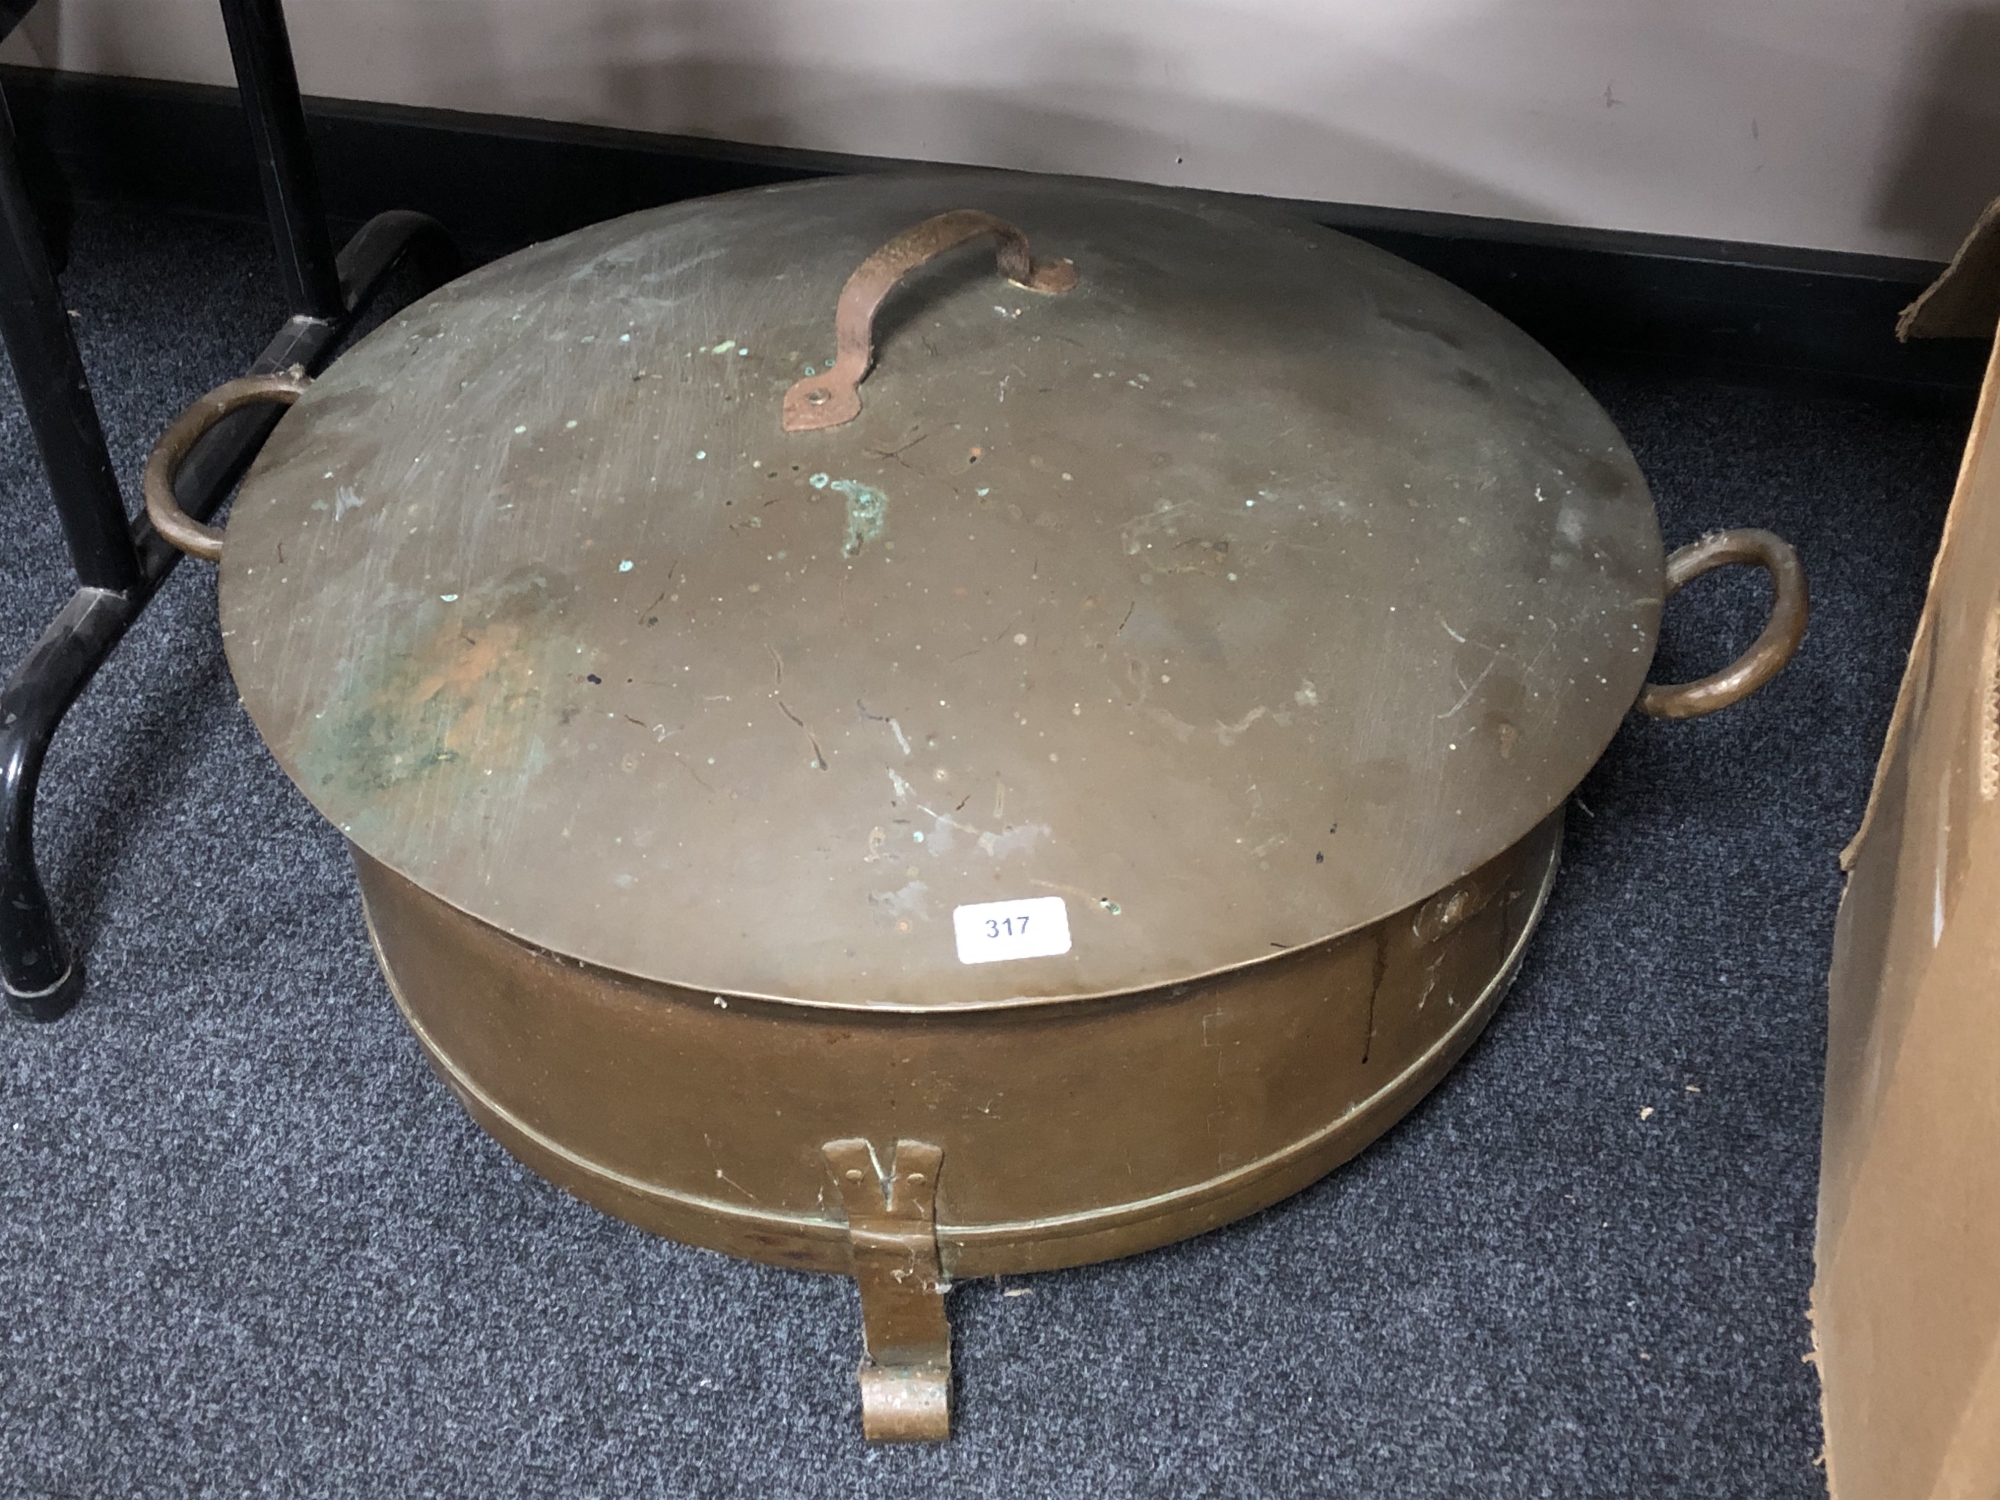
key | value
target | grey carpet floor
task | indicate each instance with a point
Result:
(249, 1246)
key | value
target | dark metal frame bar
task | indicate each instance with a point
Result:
(120, 561)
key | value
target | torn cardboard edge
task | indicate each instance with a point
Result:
(1964, 302)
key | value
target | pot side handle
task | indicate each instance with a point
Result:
(834, 397)
(164, 464)
(1768, 654)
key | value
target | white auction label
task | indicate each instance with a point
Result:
(992, 930)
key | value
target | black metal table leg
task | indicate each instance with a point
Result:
(40, 975)
(43, 977)
(121, 562)
(49, 371)
(261, 48)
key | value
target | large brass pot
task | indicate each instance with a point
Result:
(879, 767)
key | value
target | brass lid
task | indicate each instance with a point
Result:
(1252, 589)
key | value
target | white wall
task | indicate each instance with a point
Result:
(1849, 124)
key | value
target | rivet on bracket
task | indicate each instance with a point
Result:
(891, 1233)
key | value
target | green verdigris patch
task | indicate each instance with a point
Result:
(449, 705)
(867, 511)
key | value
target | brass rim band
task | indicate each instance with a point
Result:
(953, 1237)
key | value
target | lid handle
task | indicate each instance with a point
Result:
(1768, 654)
(834, 397)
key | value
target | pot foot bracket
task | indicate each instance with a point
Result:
(892, 1235)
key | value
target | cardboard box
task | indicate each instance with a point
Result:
(1906, 1303)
